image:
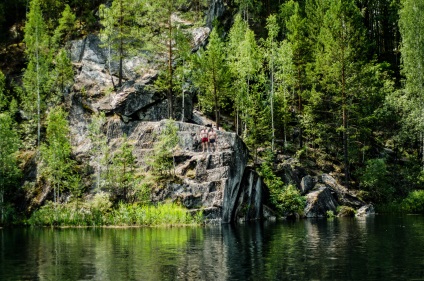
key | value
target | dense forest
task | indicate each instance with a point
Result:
(335, 82)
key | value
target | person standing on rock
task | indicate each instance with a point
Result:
(212, 139)
(204, 139)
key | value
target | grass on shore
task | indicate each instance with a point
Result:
(77, 215)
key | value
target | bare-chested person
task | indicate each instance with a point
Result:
(204, 139)
(212, 139)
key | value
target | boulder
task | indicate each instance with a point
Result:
(319, 201)
(307, 183)
(343, 195)
(365, 210)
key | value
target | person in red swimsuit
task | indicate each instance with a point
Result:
(204, 138)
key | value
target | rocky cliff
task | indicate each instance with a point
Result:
(219, 183)
(210, 181)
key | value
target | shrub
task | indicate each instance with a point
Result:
(414, 202)
(345, 211)
(374, 181)
(288, 200)
(285, 198)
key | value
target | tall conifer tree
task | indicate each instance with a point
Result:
(38, 56)
(212, 75)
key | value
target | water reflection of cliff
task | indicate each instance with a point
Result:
(380, 248)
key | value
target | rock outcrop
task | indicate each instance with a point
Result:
(214, 182)
(217, 183)
(323, 193)
(96, 80)
(319, 201)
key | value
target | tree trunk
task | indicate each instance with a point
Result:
(345, 127)
(300, 109)
(272, 104)
(170, 72)
(121, 43)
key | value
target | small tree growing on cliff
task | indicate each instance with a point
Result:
(99, 149)
(162, 159)
(55, 153)
(122, 176)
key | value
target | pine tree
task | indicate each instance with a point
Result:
(66, 27)
(271, 46)
(62, 74)
(123, 179)
(162, 158)
(184, 66)
(161, 41)
(212, 75)
(120, 33)
(285, 80)
(302, 49)
(337, 61)
(248, 8)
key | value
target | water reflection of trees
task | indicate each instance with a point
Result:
(341, 249)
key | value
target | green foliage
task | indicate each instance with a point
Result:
(98, 212)
(9, 171)
(62, 75)
(162, 158)
(375, 181)
(414, 203)
(410, 100)
(211, 76)
(56, 167)
(99, 148)
(3, 100)
(66, 28)
(161, 35)
(35, 79)
(122, 179)
(249, 8)
(330, 214)
(345, 211)
(289, 201)
(120, 33)
(286, 198)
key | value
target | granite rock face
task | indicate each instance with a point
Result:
(319, 201)
(136, 99)
(214, 181)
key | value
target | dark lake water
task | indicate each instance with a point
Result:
(374, 248)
